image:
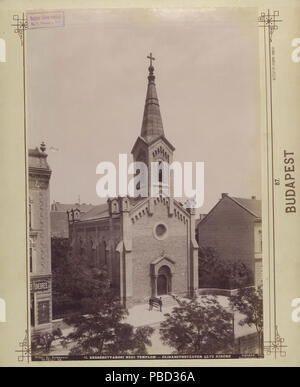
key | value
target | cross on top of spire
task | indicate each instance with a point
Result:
(151, 58)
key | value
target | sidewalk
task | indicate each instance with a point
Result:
(139, 315)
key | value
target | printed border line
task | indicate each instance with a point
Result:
(268, 188)
(21, 25)
(268, 21)
(265, 20)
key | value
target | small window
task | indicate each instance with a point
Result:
(105, 253)
(260, 239)
(160, 173)
(160, 231)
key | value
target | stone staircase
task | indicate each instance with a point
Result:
(168, 301)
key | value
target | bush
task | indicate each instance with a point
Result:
(217, 273)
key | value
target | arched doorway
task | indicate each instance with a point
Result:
(162, 285)
(163, 281)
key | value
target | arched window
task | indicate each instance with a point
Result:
(260, 239)
(105, 253)
(160, 172)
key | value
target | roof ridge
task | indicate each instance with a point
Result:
(236, 200)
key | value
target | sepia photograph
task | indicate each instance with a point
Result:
(144, 184)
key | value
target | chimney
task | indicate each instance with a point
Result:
(224, 195)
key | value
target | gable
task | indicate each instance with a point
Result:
(157, 263)
(142, 210)
(161, 148)
(227, 211)
(142, 144)
(163, 260)
(251, 205)
(162, 139)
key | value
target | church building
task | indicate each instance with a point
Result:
(147, 243)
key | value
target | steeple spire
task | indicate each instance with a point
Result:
(152, 127)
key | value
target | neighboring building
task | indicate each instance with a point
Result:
(197, 221)
(39, 240)
(233, 228)
(148, 244)
(59, 217)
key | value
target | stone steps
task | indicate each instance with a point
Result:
(168, 301)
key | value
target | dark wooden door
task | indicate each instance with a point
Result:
(162, 285)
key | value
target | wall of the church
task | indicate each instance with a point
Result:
(146, 248)
(98, 243)
(229, 229)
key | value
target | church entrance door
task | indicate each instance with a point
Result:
(163, 281)
(162, 285)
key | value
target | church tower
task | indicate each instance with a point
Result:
(152, 146)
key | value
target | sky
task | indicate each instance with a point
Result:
(86, 88)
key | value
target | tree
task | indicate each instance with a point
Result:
(99, 327)
(104, 332)
(210, 268)
(63, 301)
(237, 274)
(74, 275)
(198, 326)
(249, 302)
(218, 273)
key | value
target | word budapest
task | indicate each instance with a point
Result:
(157, 376)
(159, 178)
(290, 192)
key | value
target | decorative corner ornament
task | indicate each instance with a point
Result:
(25, 351)
(20, 25)
(268, 21)
(275, 346)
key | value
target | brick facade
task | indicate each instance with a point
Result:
(147, 248)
